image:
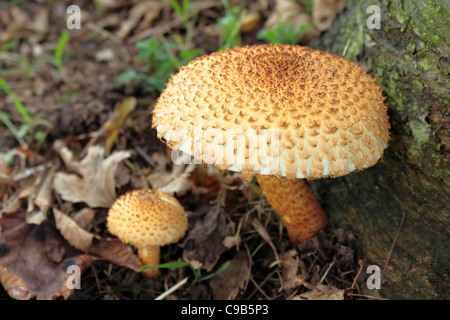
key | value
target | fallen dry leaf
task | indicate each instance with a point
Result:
(292, 13)
(205, 242)
(175, 182)
(75, 235)
(233, 278)
(321, 292)
(107, 135)
(21, 25)
(105, 249)
(149, 9)
(96, 186)
(83, 217)
(111, 4)
(34, 259)
(44, 194)
(115, 251)
(250, 21)
(13, 203)
(14, 285)
(33, 184)
(290, 265)
(27, 266)
(324, 12)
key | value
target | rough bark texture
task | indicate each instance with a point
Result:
(409, 57)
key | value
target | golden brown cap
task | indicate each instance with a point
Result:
(316, 114)
(147, 217)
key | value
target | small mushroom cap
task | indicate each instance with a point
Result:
(284, 110)
(147, 218)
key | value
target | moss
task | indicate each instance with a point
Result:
(421, 133)
(430, 22)
(356, 42)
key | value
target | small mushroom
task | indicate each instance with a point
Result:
(302, 114)
(147, 219)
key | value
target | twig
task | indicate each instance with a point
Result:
(259, 288)
(365, 296)
(344, 53)
(262, 283)
(146, 157)
(357, 275)
(174, 288)
(161, 29)
(395, 240)
(328, 269)
(93, 27)
(265, 235)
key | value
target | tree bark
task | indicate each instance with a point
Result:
(408, 56)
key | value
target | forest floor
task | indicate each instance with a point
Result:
(63, 92)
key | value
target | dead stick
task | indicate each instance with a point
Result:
(395, 240)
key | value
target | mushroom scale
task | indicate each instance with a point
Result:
(326, 114)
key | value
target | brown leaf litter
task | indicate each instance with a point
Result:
(96, 186)
(34, 258)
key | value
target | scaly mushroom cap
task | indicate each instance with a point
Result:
(284, 110)
(147, 218)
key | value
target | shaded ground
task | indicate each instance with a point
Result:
(243, 234)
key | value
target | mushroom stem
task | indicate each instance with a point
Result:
(149, 257)
(297, 207)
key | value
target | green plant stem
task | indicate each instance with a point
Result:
(5, 119)
(19, 106)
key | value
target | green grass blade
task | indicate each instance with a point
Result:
(59, 51)
(221, 269)
(4, 117)
(19, 106)
(174, 265)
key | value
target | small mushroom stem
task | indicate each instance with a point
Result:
(150, 257)
(297, 207)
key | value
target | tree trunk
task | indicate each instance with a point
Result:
(409, 57)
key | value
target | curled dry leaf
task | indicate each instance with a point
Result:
(324, 12)
(233, 278)
(27, 266)
(292, 13)
(35, 186)
(21, 25)
(175, 182)
(5, 177)
(44, 195)
(13, 203)
(83, 217)
(149, 9)
(104, 249)
(107, 135)
(111, 4)
(96, 186)
(322, 292)
(290, 265)
(34, 259)
(75, 235)
(250, 21)
(14, 285)
(205, 241)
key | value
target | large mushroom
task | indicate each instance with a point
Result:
(283, 113)
(147, 219)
